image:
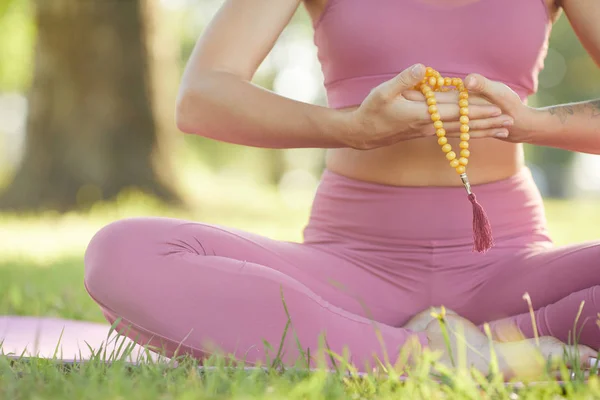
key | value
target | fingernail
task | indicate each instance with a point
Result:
(507, 123)
(471, 83)
(593, 362)
(501, 134)
(417, 70)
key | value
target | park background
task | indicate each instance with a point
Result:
(87, 136)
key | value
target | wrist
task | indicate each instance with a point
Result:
(338, 127)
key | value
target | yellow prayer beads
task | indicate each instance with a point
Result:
(434, 82)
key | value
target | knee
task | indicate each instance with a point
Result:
(109, 258)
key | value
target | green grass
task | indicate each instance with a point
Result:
(41, 270)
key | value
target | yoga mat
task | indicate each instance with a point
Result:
(67, 340)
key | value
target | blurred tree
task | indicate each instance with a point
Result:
(97, 107)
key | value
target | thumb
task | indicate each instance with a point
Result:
(492, 90)
(405, 80)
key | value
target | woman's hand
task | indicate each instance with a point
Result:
(498, 93)
(497, 127)
(386, 116)
(516, 123)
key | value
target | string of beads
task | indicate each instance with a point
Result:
(434, 82)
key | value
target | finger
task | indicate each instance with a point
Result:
(499, 133)
(451, 112)
(478, 125)
(445, 97)
(405, 80)
(493, 90)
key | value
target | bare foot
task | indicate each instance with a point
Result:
(419, 322)
(523, 359)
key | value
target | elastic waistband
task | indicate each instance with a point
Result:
(422, 216)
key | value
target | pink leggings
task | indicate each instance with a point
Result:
(372, 257)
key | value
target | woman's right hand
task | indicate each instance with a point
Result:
(386, 117)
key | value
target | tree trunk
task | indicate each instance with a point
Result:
(96, 121)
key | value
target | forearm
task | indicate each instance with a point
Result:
(223, 107)
(574, 127)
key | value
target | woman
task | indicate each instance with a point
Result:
(390, 231)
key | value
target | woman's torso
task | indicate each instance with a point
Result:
(348, 63)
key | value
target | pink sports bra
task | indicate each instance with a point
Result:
(362, 43)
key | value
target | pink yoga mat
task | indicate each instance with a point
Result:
(41, 337)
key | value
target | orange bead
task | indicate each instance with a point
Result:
(464, 128)
(428, 71)
(463, 95)
(465, 137)
(450, 155)
(432, 81)
(448, 81)
(447, 148)
(463, 103)
(440, 81)
(460, 87)
(436, 73)
(442, 140)
(464, 145)
(435, 117)
(456, 81)
(440, 132)
(460, 169)
(431, 101)
(433, 109)
(463, 161)
(429, 93)
(465, 153)
(454, 163)
(464, 111)
(438, 124)
(464, 119)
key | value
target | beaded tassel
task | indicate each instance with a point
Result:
(434, 82)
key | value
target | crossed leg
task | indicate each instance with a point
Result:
(557, 280)
(198, 288)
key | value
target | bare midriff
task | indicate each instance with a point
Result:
(421, 162)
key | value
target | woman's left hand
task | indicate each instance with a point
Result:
(504, 97)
